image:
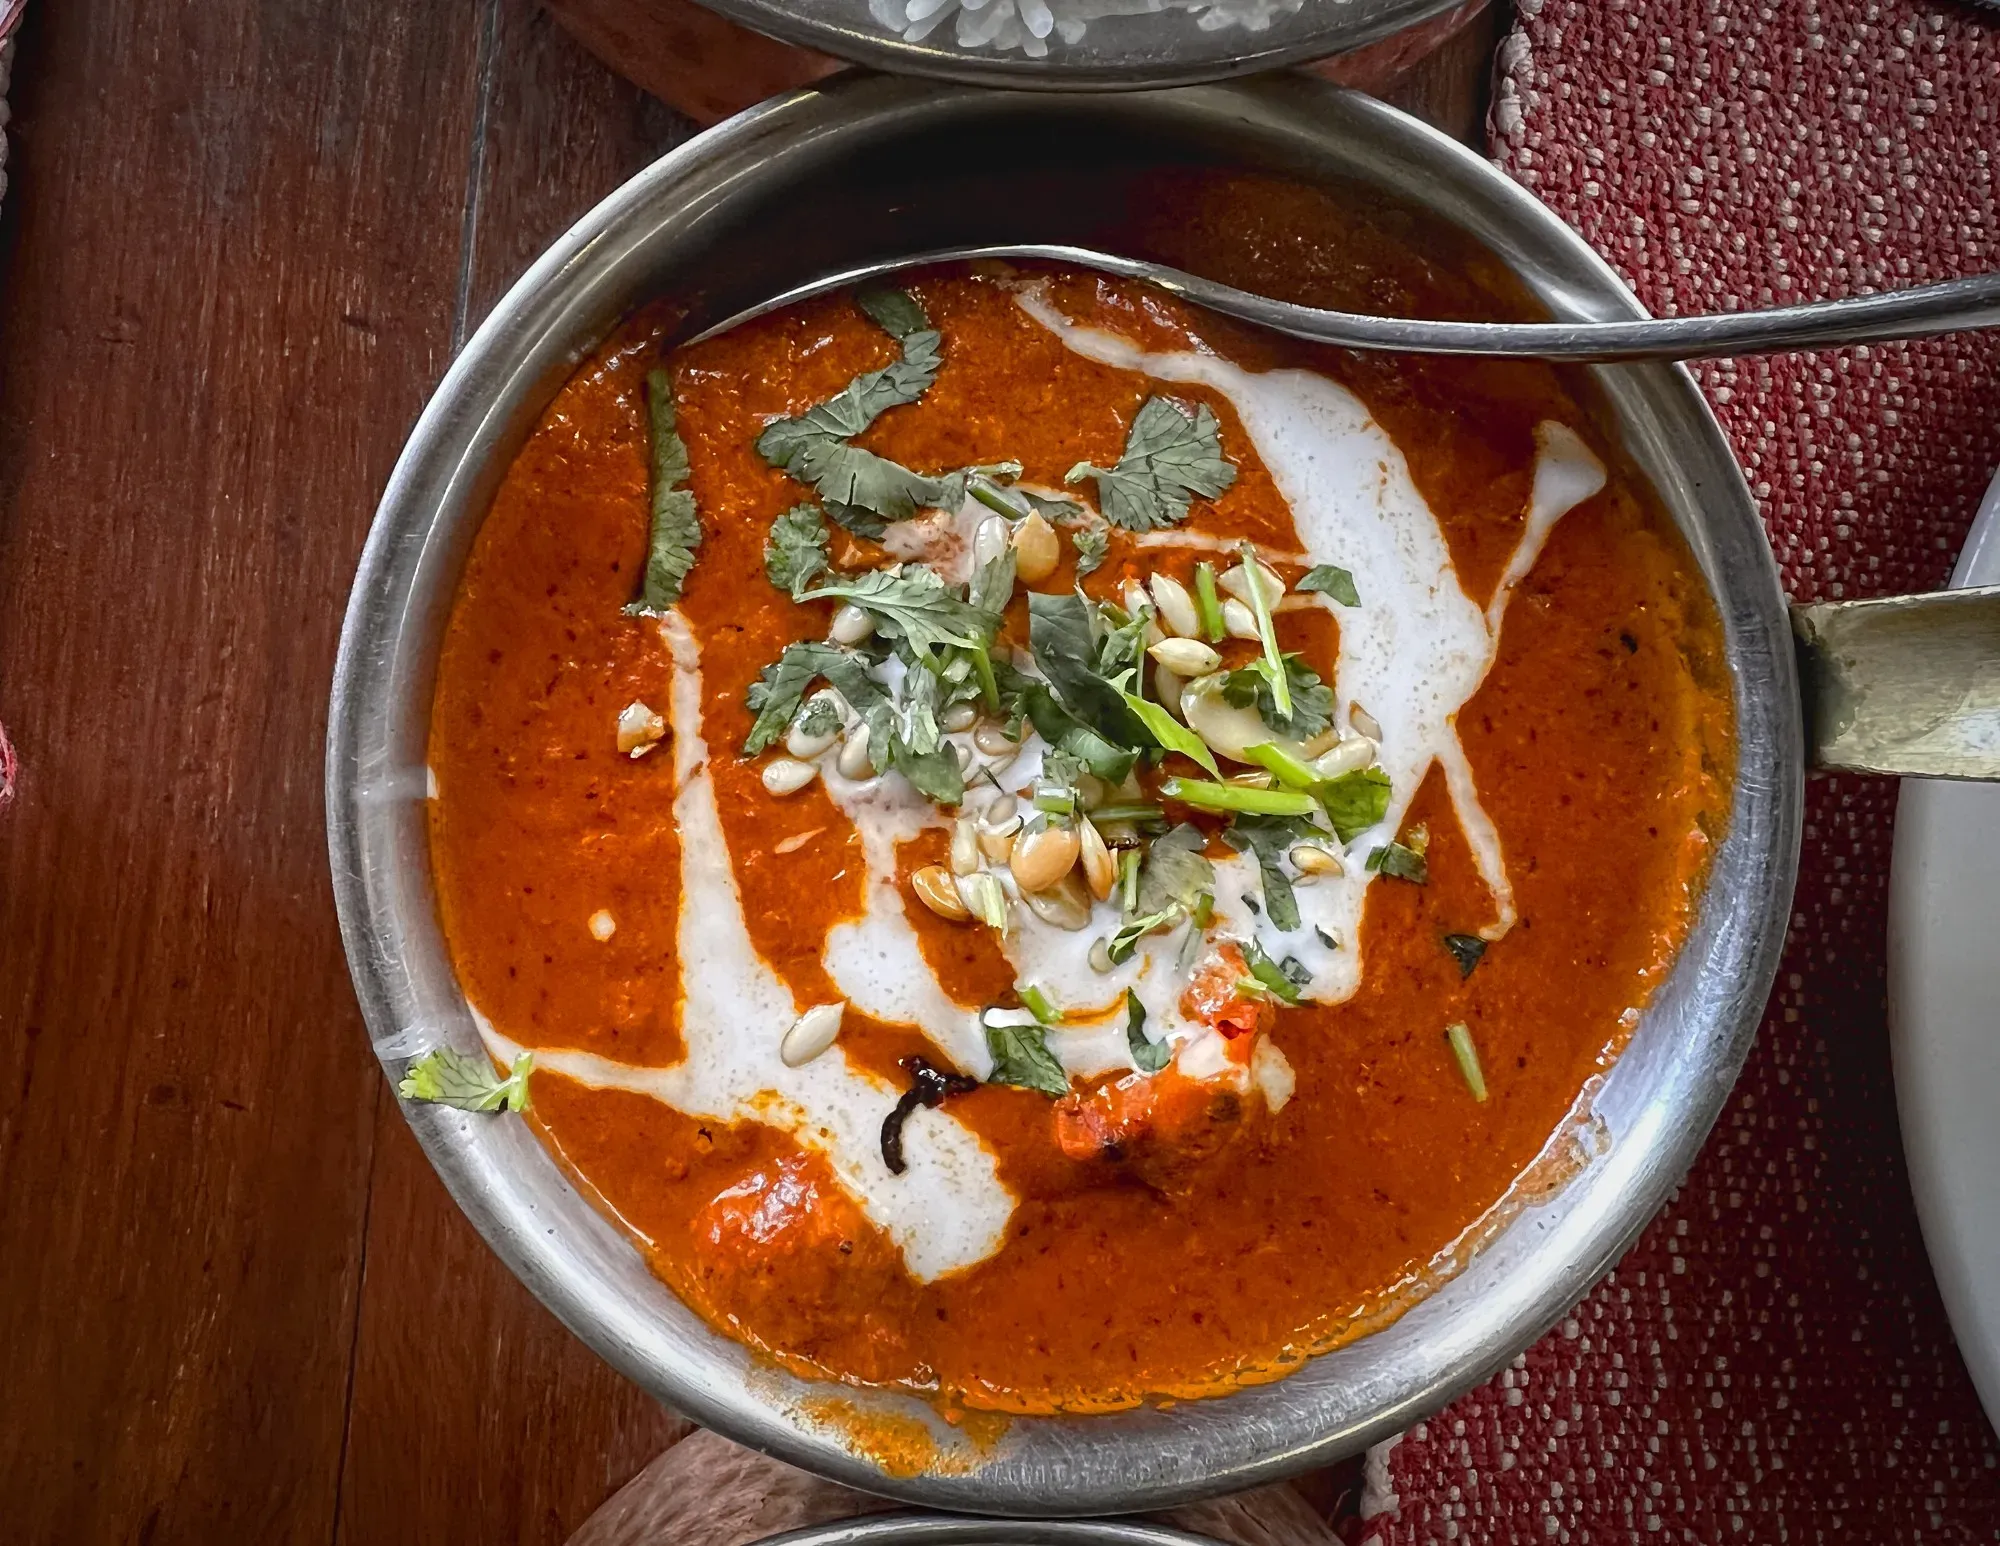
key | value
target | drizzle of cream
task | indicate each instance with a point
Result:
(949, 1209)
(1416, 649)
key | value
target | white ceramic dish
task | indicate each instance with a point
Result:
(1944, 1016)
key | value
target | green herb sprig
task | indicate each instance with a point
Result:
(1172, 455)
(447, 1077)
(676, 525)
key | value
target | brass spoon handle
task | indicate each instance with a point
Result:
(1903, 684)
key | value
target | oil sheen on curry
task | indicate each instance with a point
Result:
(1034, 845)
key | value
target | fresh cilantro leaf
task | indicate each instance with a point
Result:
(992, 586)
(917, 748)
(1330, 580)
(1176, 872)
(862, 401)
(676, 528)
(895, 312)
(1170, 456)
(1090, 543)
(1286, 980)
(861, 490)
(1064, 642)
(1148, 1056)
(1466, 950)
(1312, 699)
(821, 715)
(465, 1082)
(913, 605)
(795, 552)
(1021, 1057)
(1355, 801)
(1121, 642)
(1126, 940)
(1403, 863)
(1062, 729)
(1270, 838)
(1056, 512)
(780, 688)
(775, 696)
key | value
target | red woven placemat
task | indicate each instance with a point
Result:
(1771, 1363)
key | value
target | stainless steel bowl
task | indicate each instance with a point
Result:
(867, 165)
(1160, 48)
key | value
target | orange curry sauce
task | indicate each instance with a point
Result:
(1600, 741)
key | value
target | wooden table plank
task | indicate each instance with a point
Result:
(476, 1415)
(233, 231)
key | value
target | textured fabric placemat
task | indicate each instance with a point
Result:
(1771, 1363)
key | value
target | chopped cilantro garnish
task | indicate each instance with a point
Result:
(1270, 838)
(1332, 581)
(1467, 950)
(1021, 1055)
(1148, 1056)
(1284, 980)
(1355, 801)
(1312, 699)
(1063, 637)
(1402, 862)
(861, 490)
(1090, 543)
(914, 605)
(795, 552)
(917, 748)
(447, 1077)
(676, 529)
(1176, 872)
(1170, 456)
(775, 696)
(821, 715)
(1126, 940)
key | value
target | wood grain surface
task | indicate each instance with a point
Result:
(242, 240)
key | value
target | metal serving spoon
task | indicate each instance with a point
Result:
(1950, 307)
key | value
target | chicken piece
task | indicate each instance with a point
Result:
(787, 1237)
(1161, 1127)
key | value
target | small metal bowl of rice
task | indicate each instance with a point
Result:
(1072, 45)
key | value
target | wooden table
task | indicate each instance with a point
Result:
(241, 243)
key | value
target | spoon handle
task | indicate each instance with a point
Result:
(1948, 307)
(1903, 684)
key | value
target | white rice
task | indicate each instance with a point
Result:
(1028, 25)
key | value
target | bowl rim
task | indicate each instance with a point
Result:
(1657, 1103)
(1117, 62)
